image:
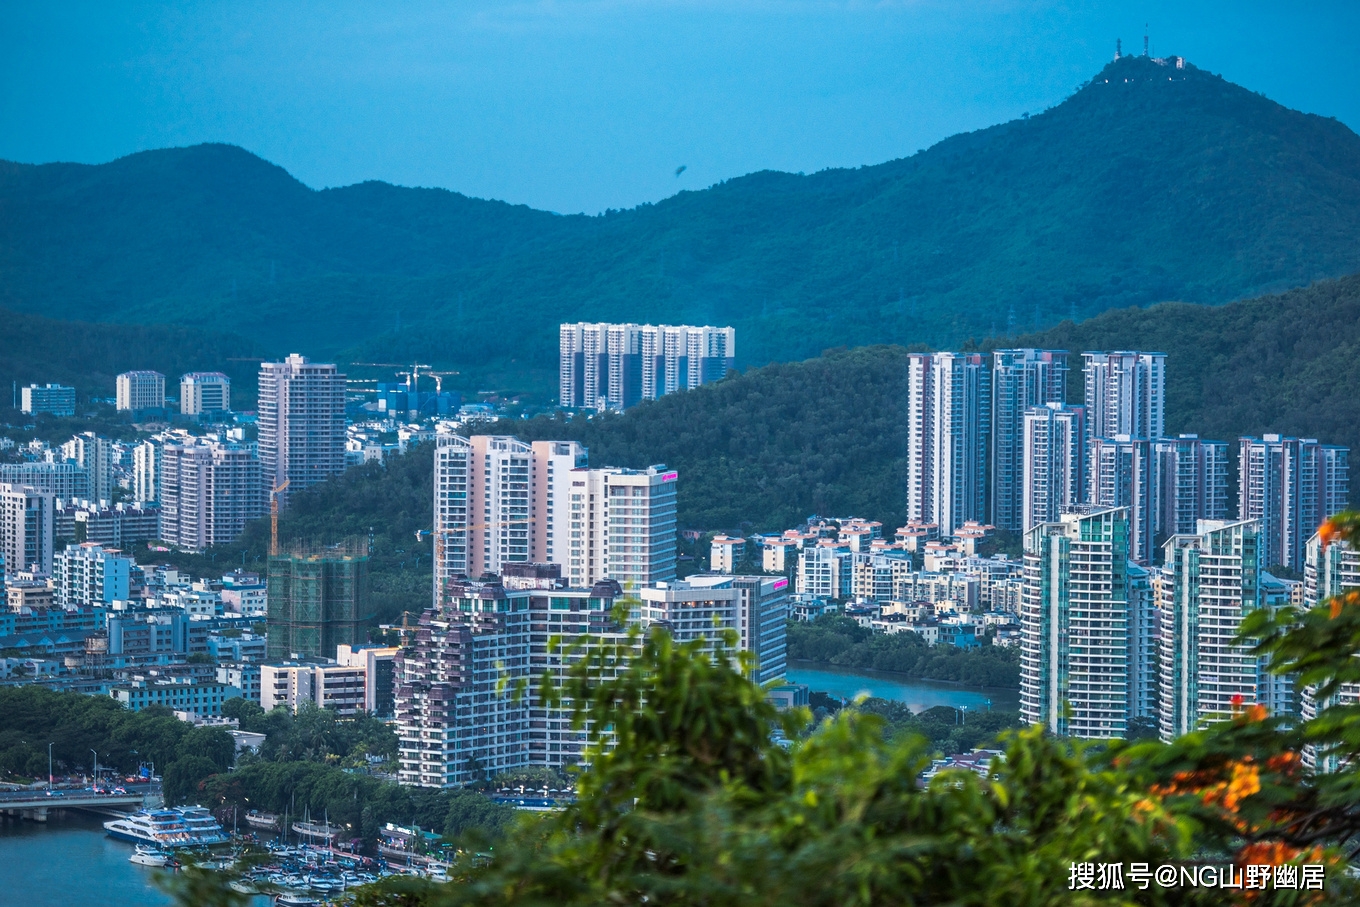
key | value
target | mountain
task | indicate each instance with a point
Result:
(1154, 181)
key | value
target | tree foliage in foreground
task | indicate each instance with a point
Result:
(710, 796)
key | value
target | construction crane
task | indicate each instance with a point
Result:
(411, 371)
(438, 380)
(274, 517)
(413, 377)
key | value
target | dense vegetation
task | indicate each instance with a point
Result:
(362, 803)
(941, 725)
(314, 734)
(33, 716)
(709, 796)
(1148, 184)
(39, 350)
(840, 641)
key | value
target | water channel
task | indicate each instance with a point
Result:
(918, 695)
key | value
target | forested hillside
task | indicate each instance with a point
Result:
(1150, 183)
(36, 349)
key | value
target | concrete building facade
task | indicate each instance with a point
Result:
(1291, 485)
(139, 390)
(615, 366)
(1053, 465)
(1021, 380)
(1079, 638)
(1125, 394)
(208, 492)
(948, 424)
(204, 393)
(27, 518)
(54, 399)
(301, 423)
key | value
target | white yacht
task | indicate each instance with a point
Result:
(149, 856)
(189, 827)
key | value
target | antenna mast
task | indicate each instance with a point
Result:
(1145, 39)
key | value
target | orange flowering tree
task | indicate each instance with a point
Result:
(1277, 790)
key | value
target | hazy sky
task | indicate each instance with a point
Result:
(579, 105)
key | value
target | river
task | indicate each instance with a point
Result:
(918, 695)
(68, 861)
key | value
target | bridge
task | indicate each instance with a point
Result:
(34, 804)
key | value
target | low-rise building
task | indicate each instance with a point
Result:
(325, 684)
(176, 693)
(244, 676)
(87, 574)
(54, 399)
(725, 553)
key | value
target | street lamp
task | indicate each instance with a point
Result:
(49, 766)
(96, 769)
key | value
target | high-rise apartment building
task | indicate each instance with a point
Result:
(1125, 394)
(1331, 569)
(1291, 485)
(94, 454)
(1053, 463)
(146, 472)
(318, 600)
(762, 618)
(112, 525)
(205, 393)
(948, 423)
(457, 716)
(87, 575)
(54, 399)
(499, 501)
(301, 423)
(1209, 582)
(1192, 484)
(208, 492)
(1021, 380)
(1084, 618)
(26, 528)
(627, 530)
(67, 480)
(614, 366)
(139, 390)
(1121, 474)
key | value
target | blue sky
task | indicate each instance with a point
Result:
(580, 105)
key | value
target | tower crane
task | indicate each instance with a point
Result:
(274, 516)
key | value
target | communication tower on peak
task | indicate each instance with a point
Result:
(1145, 39)
(1117, 49)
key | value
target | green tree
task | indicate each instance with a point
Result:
(180, 780)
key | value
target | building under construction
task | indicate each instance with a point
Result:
(318, 599)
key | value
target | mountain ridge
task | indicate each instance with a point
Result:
(1150, 183)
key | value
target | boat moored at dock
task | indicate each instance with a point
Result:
(188, 827)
